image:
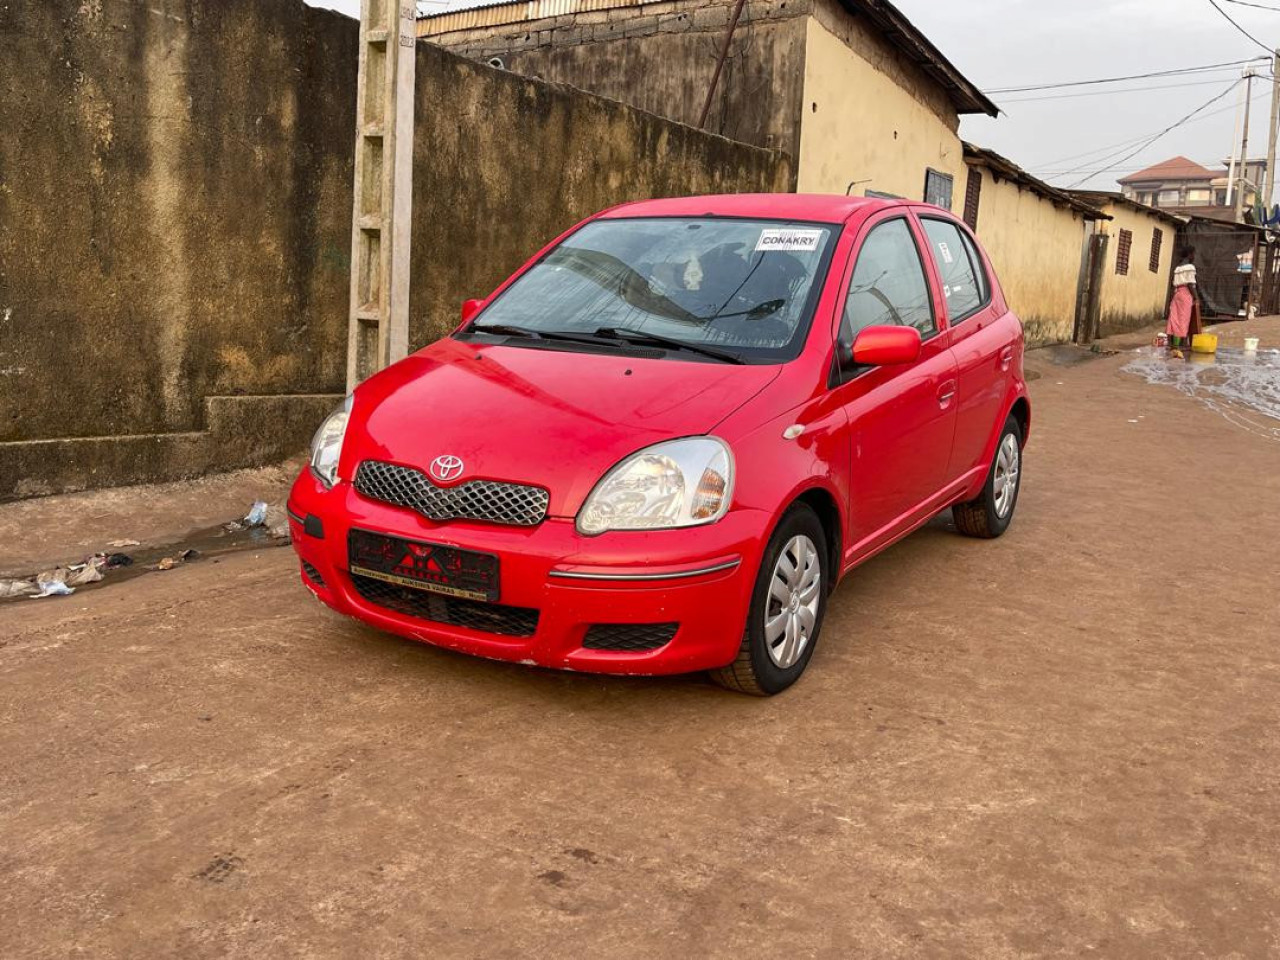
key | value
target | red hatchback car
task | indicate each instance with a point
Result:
(657, 447)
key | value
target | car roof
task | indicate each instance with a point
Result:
(814, 207)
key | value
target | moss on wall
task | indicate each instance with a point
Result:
(175, 210)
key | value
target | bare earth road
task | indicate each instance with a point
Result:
(1062, 743)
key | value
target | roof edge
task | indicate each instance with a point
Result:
(965, 94)
(1008, 170)
(1100, 198)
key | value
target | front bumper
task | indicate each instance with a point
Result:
(700, 579)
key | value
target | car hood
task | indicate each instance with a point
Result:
(552, 419)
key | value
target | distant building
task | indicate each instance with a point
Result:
(1183, 186)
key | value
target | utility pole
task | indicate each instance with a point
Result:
(1244, 145)
(1270, 175)
(378, 323)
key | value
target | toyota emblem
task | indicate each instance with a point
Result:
(446, 468)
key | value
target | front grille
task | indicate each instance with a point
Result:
(488, 500)
(312, 574)
(472, 614)
(630, 637)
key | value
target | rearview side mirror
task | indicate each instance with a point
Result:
(886, 346)
(470, 308)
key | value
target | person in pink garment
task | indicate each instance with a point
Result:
(1184, 298)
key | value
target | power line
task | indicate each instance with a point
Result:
(1136, 76)
(1230, 20)
(1120, 146)
(1256, 6)
(1173, 126)
(1114, 93)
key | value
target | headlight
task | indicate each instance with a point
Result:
(680, 483)
(326, 446)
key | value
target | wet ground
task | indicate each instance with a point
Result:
(1061, 743)
(1241, 385)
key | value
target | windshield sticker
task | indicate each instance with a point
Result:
(946, 253)
(795, 241)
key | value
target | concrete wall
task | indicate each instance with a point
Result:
(869, 117)
(505, 163)
(1036, 248)
(1137, 300)
(175, 209)
(660, 57)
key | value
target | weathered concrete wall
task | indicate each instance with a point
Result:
(1036, 248)
(660, 57)
(507, 163)
(173, 219)
(870, 117)
(1137, 299)
(175, 210)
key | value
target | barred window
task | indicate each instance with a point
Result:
(1157, 244)
(972, 196)
(938, 188)
(1123, 251)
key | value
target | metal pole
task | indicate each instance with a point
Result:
(724, 53)
(1270, 175)
(1244, 148)
(1235, 145)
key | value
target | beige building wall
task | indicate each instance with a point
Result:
(871, 118)
(1138, 299)
(1036, 248)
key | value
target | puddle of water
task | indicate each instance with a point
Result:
(1236, 384)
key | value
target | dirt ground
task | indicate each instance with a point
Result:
(1062, 743)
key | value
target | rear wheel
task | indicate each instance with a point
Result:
(989, 514)
(787, 607)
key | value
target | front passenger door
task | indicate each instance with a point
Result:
(901, 418)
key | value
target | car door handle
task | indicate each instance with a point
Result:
(946, 393)
(1006, 358)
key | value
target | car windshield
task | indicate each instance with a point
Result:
(744, 288)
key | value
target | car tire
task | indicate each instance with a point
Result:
(782, 632)
(989, 515)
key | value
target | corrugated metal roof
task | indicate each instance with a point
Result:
(882, 14)
(1008, 170)
(1100, 198)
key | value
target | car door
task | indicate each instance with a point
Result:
(980, 344)
(900, 418)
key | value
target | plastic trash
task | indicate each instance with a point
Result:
(54, 588)
(117, 544)
(117, 560)
(17, 588)
(75, 574)
(257, 514)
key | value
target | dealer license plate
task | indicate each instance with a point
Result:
(423, 566)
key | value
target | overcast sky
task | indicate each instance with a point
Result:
(1016, 43)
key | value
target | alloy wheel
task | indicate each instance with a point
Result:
(791, 607)
(1008, 466)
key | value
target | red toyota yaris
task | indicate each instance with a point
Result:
(657, 447)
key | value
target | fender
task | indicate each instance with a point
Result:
(1017, 391)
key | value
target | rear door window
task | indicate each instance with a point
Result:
(964, 284)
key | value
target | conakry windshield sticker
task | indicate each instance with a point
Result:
(792, 241)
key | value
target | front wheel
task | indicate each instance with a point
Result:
(787, 607)
(989, 514)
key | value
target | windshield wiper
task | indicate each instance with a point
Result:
(507, 330)
(656, 340)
